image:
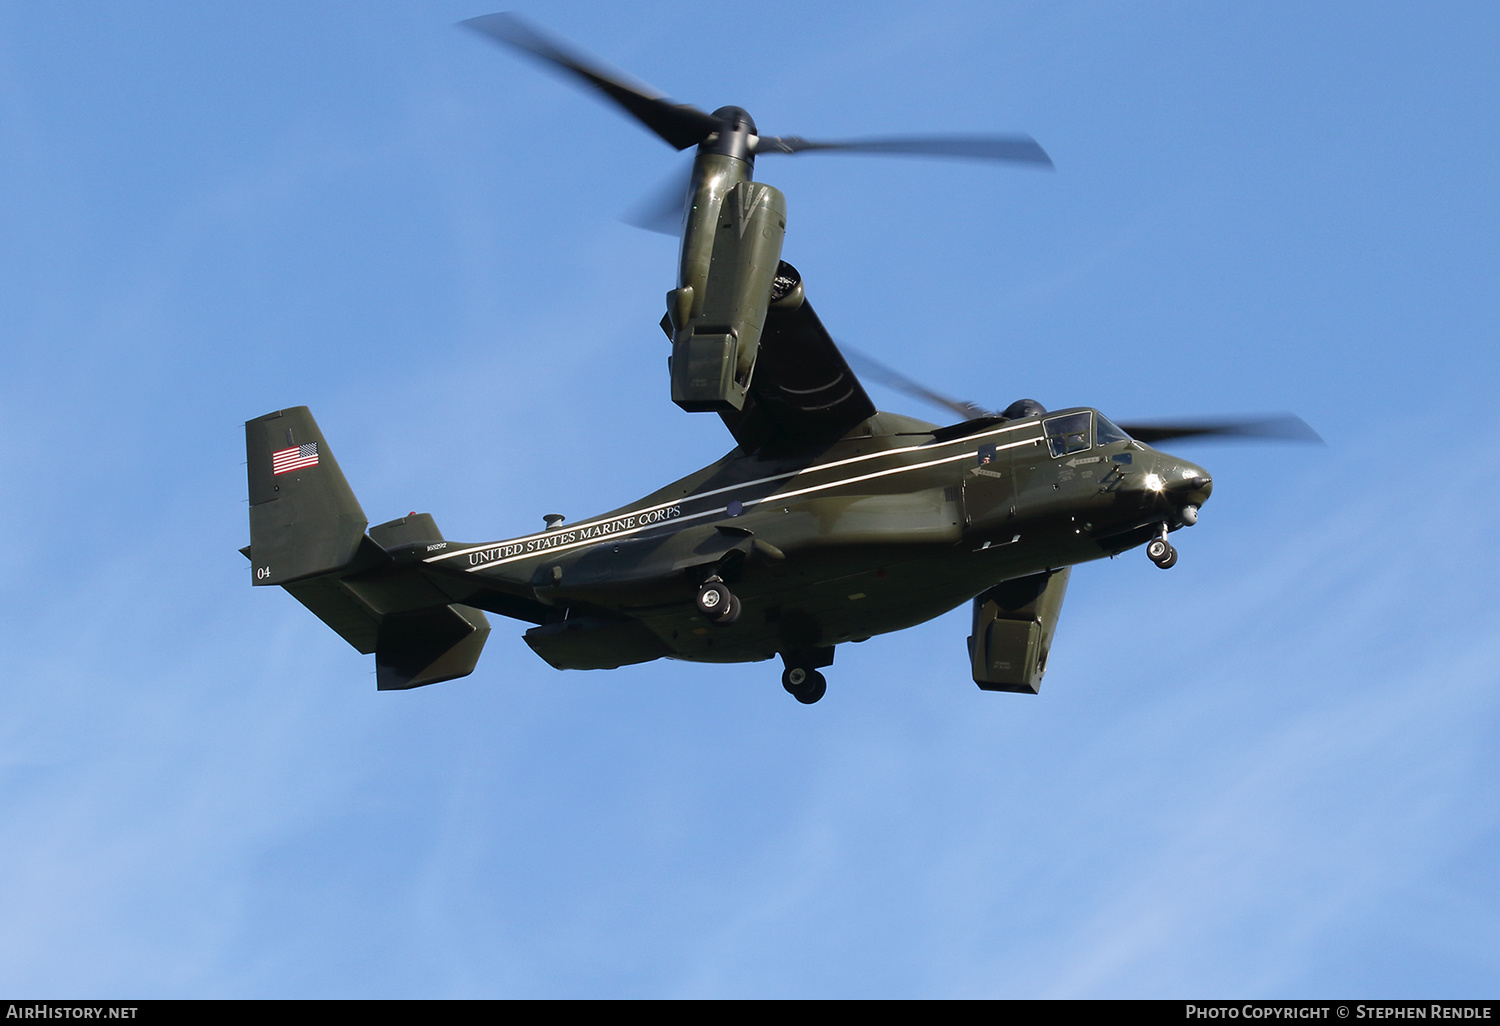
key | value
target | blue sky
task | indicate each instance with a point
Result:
(1269, 772)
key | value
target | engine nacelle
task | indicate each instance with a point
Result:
(1013, 627)
(716, 336)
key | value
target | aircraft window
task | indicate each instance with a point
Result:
(1105, 431)
(986, 455)
(1067, 434)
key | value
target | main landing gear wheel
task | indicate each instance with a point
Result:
(1162, 553)
(806, 686)
(718, 603)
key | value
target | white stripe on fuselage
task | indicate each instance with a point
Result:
(967, 441)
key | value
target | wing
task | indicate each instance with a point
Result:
(802, 391)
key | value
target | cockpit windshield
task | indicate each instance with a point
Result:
(1069, 433)
(1105, 431)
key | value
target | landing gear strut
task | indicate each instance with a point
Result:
(717, 602)
(1161, 552)
(803, 684)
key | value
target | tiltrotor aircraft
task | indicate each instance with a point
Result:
(827, 522)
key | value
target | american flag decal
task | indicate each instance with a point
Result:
(284, 461)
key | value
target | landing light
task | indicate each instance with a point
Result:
(1154, 482)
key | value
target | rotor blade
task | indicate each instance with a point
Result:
(1022, 149)
(870, 367)
(1282, 427)
(661, 209)
(680, 124)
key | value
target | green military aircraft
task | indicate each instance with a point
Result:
(828, 522)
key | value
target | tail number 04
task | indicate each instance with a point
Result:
(262, 573)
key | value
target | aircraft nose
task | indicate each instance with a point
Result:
(1187, 486)
(1183, 479)
(1193, 482)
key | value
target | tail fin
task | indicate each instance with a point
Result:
(304, 519)
(307, 534)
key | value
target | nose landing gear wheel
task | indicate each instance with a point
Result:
(1162, 553)
(718, 603)
(806, 686)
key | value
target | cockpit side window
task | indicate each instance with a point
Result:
(1067, 434)
(1105, 431)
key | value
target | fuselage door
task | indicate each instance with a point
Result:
(989, 488)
